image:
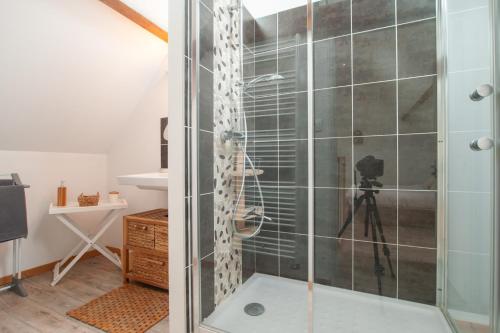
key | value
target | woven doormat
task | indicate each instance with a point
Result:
(128, 309)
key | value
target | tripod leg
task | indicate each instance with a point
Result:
(387, 252)
(357, 203)
(378, 268)
(367, 216)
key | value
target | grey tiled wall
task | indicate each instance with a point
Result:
(375, 88)
(206, 156)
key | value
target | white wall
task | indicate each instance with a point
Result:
(48, 240)
(82, 91)
(68, 66)
(138, 151)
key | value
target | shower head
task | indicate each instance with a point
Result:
(262, 78)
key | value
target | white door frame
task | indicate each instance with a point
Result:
(177, 165)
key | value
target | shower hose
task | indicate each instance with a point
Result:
(242, 188)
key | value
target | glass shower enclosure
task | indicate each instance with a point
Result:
(470, 198)
(341, 166)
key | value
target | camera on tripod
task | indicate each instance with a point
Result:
(370, 168)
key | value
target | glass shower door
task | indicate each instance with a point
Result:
(470, 164)
(252, 170)
(302, 132)
(375, 180)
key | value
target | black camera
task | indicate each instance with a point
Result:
(369, 167)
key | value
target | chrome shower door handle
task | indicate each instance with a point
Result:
(483, 143)
(481, 92)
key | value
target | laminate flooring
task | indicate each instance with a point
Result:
(44, 310)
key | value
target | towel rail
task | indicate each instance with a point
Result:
(13, 225)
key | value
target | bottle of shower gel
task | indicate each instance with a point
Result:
(61, 195)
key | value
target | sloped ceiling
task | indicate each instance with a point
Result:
(71, 74)
(154, 10)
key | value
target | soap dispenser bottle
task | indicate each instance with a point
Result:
(61, 195)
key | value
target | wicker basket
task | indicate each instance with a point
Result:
(88, 200)
(161, 238)
(145, 251)
(149, 268)
(141, 235)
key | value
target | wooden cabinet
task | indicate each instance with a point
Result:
(145, 248)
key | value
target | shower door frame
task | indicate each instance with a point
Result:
(442, 231)
(495, 5)
(198, 327)
(176, 184)
(442, 93)
(180, 318)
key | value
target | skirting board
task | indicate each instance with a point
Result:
(50, 266)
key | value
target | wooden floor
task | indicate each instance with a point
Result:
(44, 310)
(466, 327)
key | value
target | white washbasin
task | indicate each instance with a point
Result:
(146, 181)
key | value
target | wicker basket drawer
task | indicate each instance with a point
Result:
(141, 235)
(161, 238)
(149, 268)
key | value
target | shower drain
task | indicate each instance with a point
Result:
(254, 309)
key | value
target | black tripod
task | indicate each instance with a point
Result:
(372, 218)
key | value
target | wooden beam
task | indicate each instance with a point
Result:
(137, 18)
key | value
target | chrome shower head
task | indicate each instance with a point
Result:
(262, 78)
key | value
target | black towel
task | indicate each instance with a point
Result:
(13, 221)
